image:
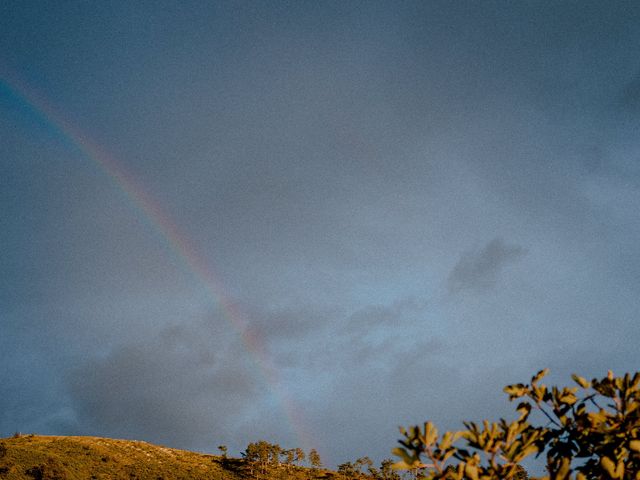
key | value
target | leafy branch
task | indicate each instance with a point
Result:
(581, 437)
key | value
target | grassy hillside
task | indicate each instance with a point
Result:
(53, 458)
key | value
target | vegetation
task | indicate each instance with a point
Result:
(591, 431)
(57, 458)
(314, 459)
(264, 460)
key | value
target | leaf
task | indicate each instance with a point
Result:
(608, 465)
(471, 471)
(430, 434)
(583, 382)
(400, 466)
(568, 398)
(565, 469)
(447, 439)
(406, 458)
(524, 409)
(536, 378)
(515, 391)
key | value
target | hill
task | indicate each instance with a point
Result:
(93, 458)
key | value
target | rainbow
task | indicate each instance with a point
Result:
(179, 243)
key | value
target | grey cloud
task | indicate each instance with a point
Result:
(281, 330)
(288, 323)
(630, 97)
(335, 339)
(168, 388)
(391, 315)
(410, 383)
(479, 270)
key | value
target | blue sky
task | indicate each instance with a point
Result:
(412, 205)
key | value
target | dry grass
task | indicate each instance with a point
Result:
(92, 458)
(49, 458)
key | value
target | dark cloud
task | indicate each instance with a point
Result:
(479, 270)
(174, 388)
(278, 325)
(630, 98)
(392, 315)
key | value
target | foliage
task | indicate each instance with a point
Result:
(386, 471)
(314, 458)
(224, 450)
(82, 458)
(258, 458)
(289, 456)
(263, 460)
(592, 431)
(355, 470)
(347, 470)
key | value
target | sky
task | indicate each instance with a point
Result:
(311, 222)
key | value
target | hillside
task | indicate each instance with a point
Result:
(56, 458)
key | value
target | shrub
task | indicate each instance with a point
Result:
(593, 431)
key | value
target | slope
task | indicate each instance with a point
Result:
(56, 458)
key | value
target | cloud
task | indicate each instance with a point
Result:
(630, 98)
(373, 316)
(479, 270)
(177, 388)
(278, 325)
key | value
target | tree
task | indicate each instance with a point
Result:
(386, 470)
(594, 434)
(362, 462)
(299, 455)
(289, 456)
(257, 457)
(314, 458)
(251, 458)
(264, 455)
(223, 449)
(274, 454)
(347, 470)
(374, 473)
